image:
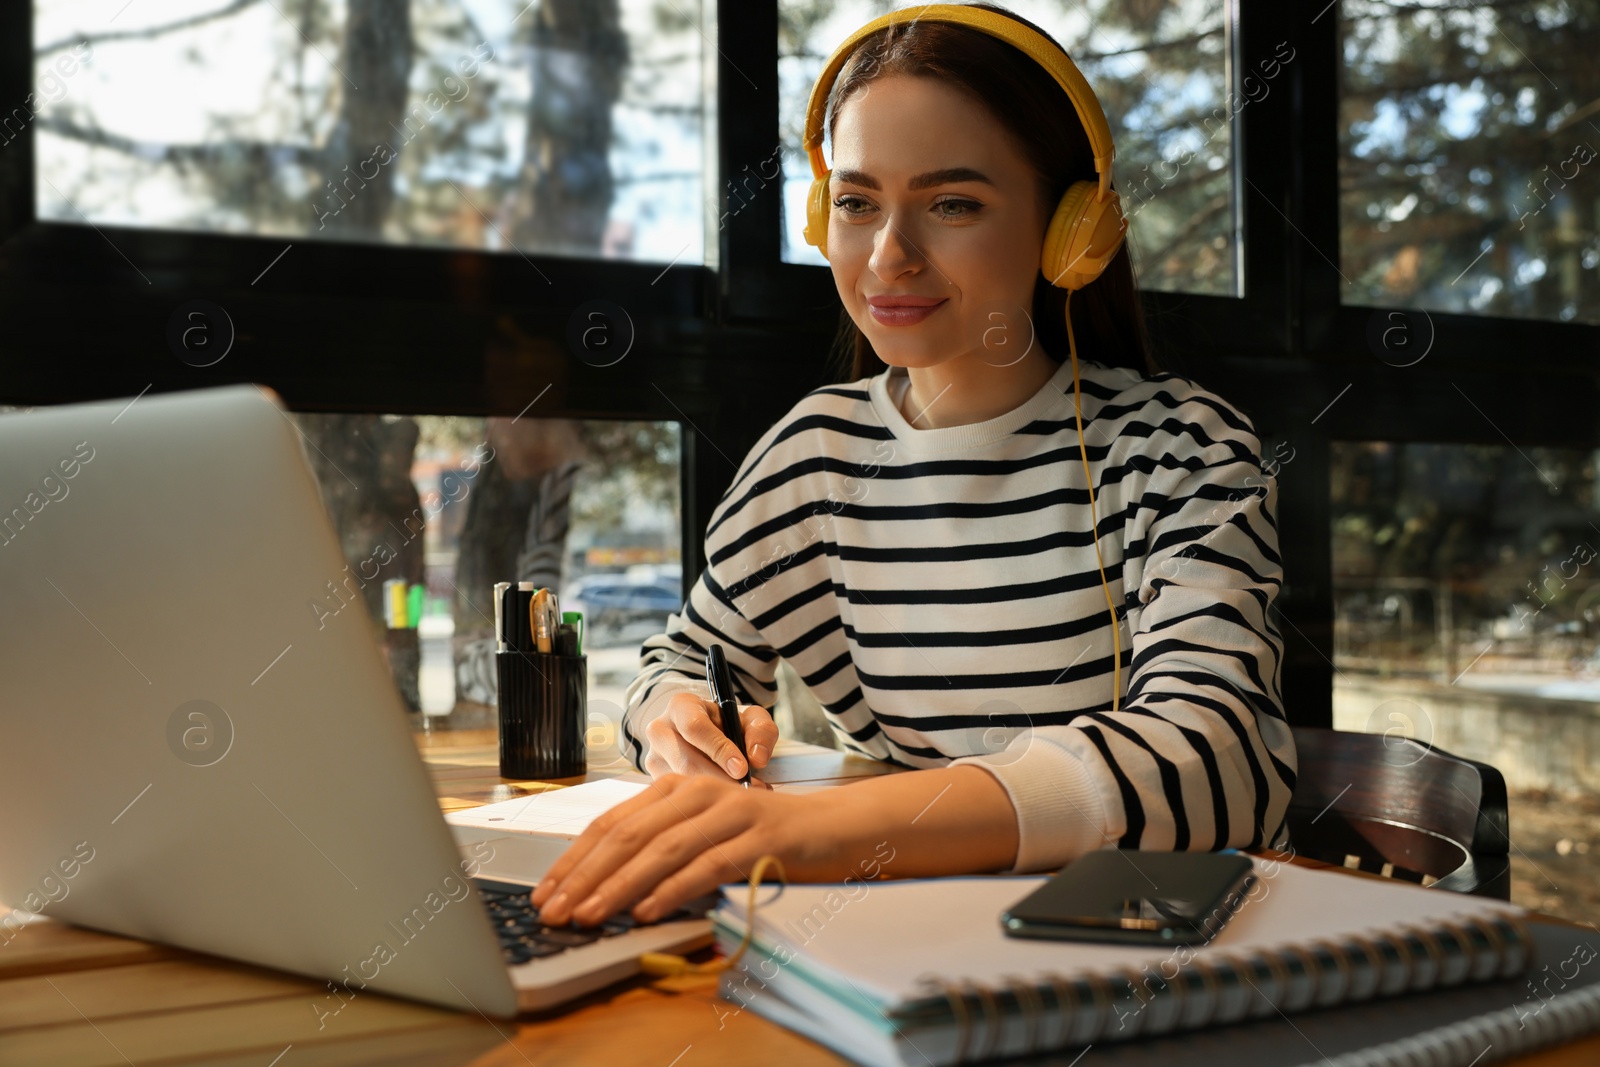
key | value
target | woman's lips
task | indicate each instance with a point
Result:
(902, 316)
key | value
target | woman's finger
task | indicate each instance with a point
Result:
(690, 762)
(697, 727)
(618, 844)
(708, 831)
(760, 733)
(731, 861)
(597, 832)
(671, 754)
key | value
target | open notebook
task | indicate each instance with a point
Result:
(562, 813)
(920, 972)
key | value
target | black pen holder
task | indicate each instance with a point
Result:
(544, 702)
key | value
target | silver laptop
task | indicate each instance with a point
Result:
(191, 752)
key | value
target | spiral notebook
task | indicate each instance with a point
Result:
(919, 971)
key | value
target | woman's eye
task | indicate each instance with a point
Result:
(945, 209)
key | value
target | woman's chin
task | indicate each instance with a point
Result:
(900, 356)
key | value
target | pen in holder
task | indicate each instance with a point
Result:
(544, 700)
(544, 695)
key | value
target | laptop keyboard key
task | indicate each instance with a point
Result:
(566, 938)
(541, 949)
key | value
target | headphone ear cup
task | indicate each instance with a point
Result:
(1083, 237)
(817, 211)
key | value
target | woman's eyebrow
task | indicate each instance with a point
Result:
(947, 176)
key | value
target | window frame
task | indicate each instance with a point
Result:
(1460, 340)
(725, 350)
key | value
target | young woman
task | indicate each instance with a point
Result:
(920, 543)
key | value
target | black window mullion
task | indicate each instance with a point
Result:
(16, 82)
(747, 126)
(1313, 165)
(755, 283)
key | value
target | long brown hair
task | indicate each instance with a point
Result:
(1107, 317)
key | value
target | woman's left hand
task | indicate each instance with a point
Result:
(682, 837)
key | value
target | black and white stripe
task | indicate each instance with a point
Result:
(939, 593)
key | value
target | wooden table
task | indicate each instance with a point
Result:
(76, 998)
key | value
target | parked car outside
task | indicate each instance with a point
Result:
(617, 607)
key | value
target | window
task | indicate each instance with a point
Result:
(1466, 586)
(575, 128)
(459, 503)
(436, 313)
(1467, 166)
(1162, 73)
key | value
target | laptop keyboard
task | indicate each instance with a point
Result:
(524, 938)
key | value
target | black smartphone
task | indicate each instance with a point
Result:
(1141, 898)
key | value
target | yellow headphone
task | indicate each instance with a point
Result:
(1084, 234)
(1087, 228)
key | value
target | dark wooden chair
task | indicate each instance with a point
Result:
(1402, 808)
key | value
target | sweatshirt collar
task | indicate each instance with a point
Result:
(1057, 391)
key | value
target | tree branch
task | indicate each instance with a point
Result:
(1391, 90)
(1083, 55)
(1199, 221)
(149, 31)
(1197, 175)
(1392, 10)
(157, 152)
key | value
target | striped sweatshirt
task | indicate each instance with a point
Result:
(938, 592)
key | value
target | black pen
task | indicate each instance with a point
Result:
(722, 695)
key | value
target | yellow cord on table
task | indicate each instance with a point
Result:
(665, 964)
(1094, 523)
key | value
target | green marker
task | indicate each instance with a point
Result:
(576, 619)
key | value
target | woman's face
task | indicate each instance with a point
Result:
(930, 198)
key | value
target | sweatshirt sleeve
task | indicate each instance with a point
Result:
(1198, 754)
(674, 661)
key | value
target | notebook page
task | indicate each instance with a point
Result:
(878, 939)
(557, 812)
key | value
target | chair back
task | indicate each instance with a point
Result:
(1403, 808)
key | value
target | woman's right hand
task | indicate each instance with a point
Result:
(687, 738)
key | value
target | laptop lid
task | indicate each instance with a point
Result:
(200, 741)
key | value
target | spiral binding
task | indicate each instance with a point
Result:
(1313, 973)
(1066, 994)
(1493, 947)
(1403, 947)
(1212, 985)
(1430, 945)
(1374, 963)
(958, 1008)
(1346, 973)
(1131, 977)
(991, 1023)
(1027, 998)
(1574, 1014)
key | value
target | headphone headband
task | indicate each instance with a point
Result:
(1036, 46)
